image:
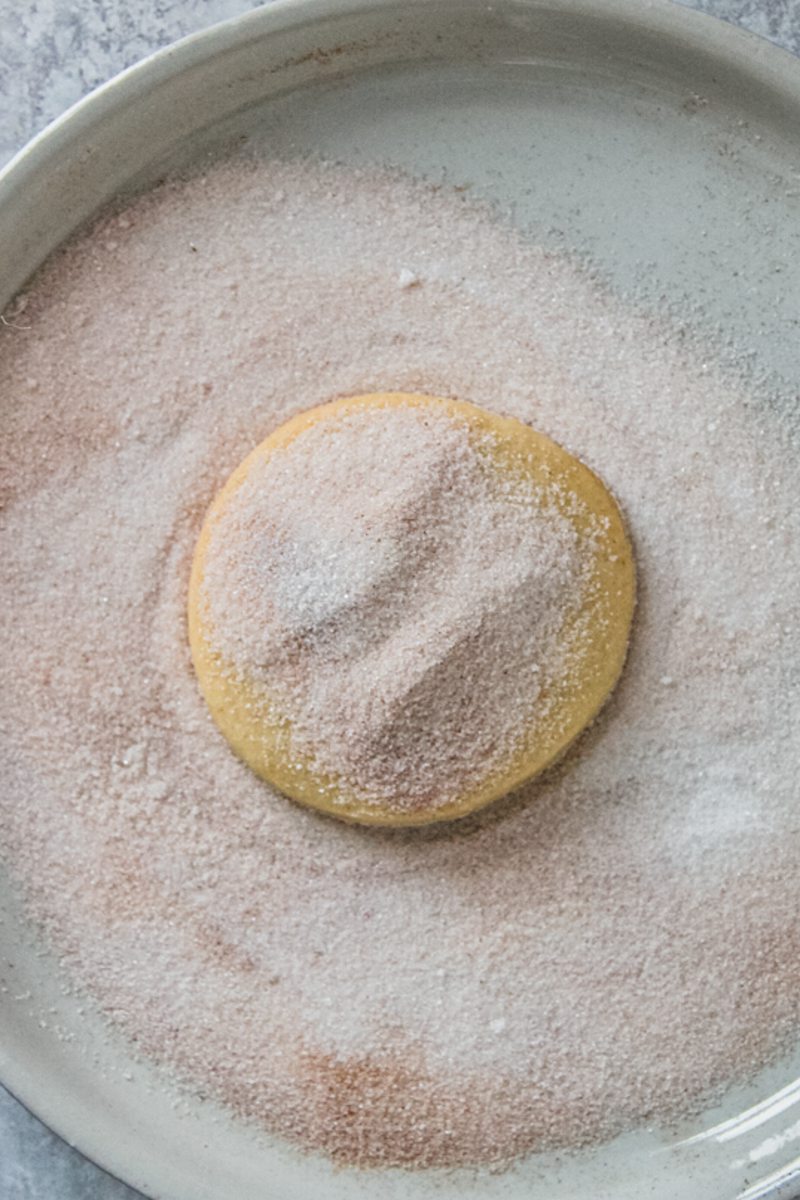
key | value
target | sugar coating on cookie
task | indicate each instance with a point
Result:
(404, 606)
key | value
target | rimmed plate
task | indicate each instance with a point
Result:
(661, 144)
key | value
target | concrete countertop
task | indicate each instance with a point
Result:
(52, 52)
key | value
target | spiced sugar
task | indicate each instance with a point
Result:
(400, 600)
(613, 946)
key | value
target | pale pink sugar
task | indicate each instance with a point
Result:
(398, 601)
(607, 950)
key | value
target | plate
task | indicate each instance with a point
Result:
(639, 134)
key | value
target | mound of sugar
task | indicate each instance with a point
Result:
(398, 600)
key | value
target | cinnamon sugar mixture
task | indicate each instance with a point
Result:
(401, 602)
(612, 947)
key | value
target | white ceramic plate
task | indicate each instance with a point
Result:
(642, 134)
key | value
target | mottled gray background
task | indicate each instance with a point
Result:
(51, 53)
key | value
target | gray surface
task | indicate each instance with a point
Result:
(50, 55)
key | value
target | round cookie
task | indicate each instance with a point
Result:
(593, 631)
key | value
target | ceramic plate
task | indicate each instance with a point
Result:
(660, 143)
